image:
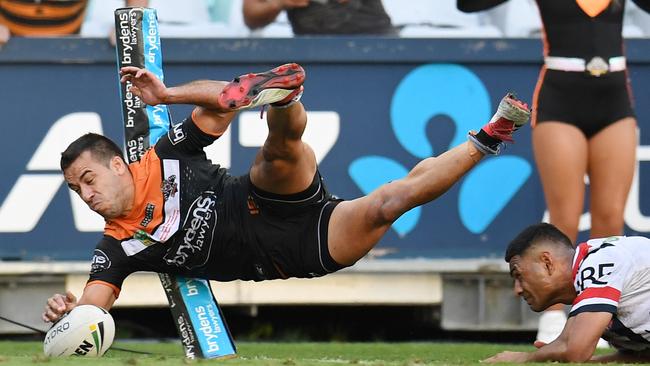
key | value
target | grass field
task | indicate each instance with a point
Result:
(271, 354)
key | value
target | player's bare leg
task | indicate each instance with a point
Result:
(356, 226)
(284, 165)
(611, 174)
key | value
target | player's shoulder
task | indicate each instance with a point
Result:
(613, 248)
(105, 254)
(616, 243)
(106, 241)
(141, 169)
(184, 140)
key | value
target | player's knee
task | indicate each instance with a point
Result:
(610, 220)
(284, 149)
(389, 202)
(277, 153)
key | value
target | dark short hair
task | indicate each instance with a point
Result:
(102, 149)
(534, 234)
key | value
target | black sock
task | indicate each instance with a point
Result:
(487, 140)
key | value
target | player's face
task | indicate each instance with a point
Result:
(99, 185)
(531, 280)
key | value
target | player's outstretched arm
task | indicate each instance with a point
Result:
(209, 116)
(153, 91)
(576, 343)
(94, 294)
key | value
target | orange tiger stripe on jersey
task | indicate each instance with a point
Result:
(116, 290)
(42, 10)
(54, 30)
(147, 177)
(42, 18)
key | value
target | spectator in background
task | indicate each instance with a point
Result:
(583, 120)
(44, 18)
(322, 16)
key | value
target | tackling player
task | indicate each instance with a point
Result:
(607, 282)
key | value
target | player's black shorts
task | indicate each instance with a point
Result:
(590, 103)
(283, 235)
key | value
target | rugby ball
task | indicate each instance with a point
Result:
(87, 331)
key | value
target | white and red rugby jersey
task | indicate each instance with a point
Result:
(613, 275)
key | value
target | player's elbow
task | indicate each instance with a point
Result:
(389, 202)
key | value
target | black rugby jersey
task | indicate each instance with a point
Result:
(182, 210)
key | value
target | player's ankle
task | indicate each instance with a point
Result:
(485, 143)
(487, 140)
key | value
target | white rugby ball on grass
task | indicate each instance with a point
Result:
(87, 331)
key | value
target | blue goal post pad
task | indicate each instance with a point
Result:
(138, 44)
(198, 318)
(200, 322)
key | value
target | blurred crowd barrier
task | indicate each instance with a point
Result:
(414, 19)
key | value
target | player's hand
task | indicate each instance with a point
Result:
(508, 356)
(539, 344)
(58, 305)
(5, 34)
(144, 84)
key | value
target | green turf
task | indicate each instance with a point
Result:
(271, 354)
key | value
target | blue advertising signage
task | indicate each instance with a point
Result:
(372, 116)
